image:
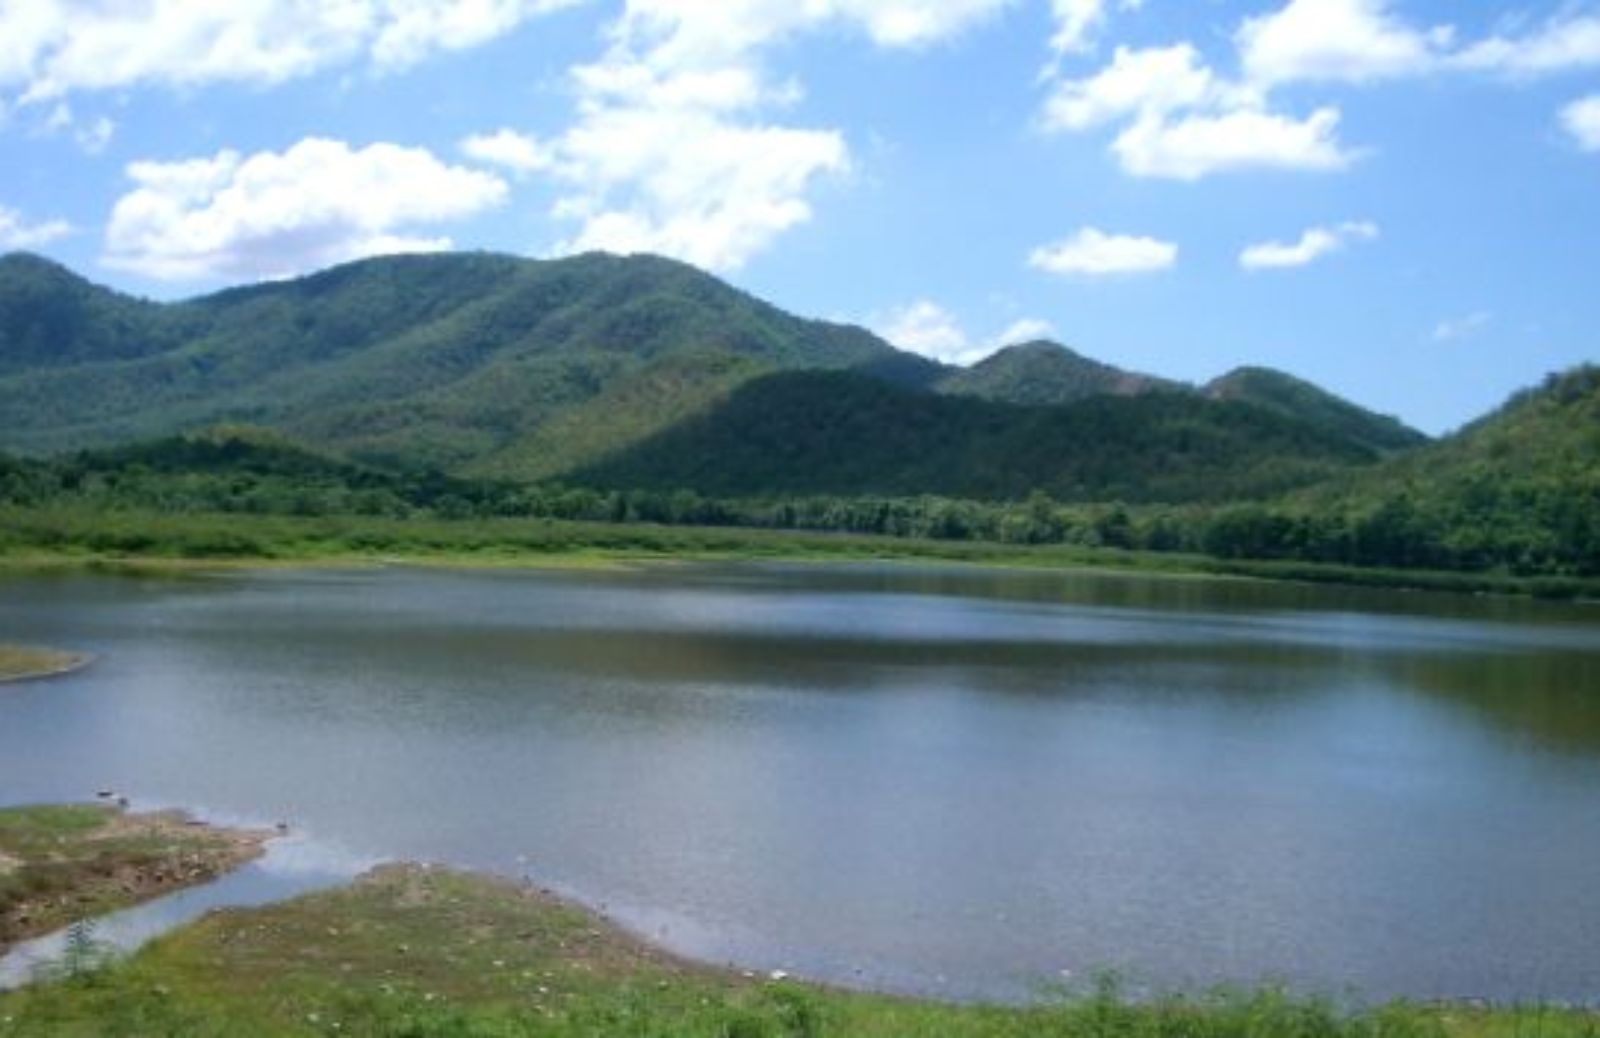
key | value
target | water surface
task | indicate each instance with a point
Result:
(959, 782)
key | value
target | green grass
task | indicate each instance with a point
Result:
(75, 536)
(59, 865)
(417, 952)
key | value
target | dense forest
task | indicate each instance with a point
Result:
(497, 367)
(1517, 492)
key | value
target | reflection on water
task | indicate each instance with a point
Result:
(948, 780)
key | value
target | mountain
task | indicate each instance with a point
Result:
(436, 360)
(1288, 395)
(1041, 372)
(1517, 491)
(845, 433)
(495, 367)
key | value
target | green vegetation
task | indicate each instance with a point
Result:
(435, 361)
(1295, 398)
(422, 952)
(1043, 373)
(641, 391)
(19, 661)
(494, 367)
(846, 434)
(59, 865)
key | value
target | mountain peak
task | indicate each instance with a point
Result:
(1043, 372)
(1288, 394)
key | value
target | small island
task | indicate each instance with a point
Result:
(25, 663)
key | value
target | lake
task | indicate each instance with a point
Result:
(956, 782)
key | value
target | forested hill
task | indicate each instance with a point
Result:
(1288, 395)
(435, 360)
(1518, 488)
(844, 433)
(491, 366)
(1042, 372)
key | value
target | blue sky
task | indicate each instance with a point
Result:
(1399, 199)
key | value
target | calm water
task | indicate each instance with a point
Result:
(962, 783)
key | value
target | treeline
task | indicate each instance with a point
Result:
(1556, 532)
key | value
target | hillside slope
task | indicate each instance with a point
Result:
(435, 360)
(844, 433)
(1277, 391)
(498, 367)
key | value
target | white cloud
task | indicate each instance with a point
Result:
(517, 152)
(1184, 122)
(54, 47)
(927, 328)
(275, 214)
(674, 149)
(1456, 328)
(1093, 253)
(1028, 329)
(17, 233)
(924, 327)
(1078, 22)
(1353, 41)
(1153, 81)
(1195, 146)
(1562, 44)
(1314, 244)
(1582, 120)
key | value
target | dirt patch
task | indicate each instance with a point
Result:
(67, 864)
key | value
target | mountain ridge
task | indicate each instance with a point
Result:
(483, 364)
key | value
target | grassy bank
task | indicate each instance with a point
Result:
(59, 865)
(82, 537)
(419, 952)
(24, 663)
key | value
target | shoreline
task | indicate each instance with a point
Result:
(1575, 591)
(445, 944)
(77, 862)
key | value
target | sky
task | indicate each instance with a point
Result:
(1397, 199)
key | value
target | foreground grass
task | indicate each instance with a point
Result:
(169, 540)
(20, 662)
(59, 865)
(420, 952)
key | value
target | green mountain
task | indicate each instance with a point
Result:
(495, 367)
(1518, 488)
(1041, 373)
(1288, 395)
(846, 433)
(433, 360)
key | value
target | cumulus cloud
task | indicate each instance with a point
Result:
(1182, 121)
(276, 214)
(924, 327)
(1093, 253)
(1079, 22)
(1352, 41)
(1570, 41)
(677, 147)
(517, 152)
(50, 48)
(1314, 244)
(1198, 145)
(17, 233)
(1582, 120)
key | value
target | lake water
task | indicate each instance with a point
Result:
(956, 782)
